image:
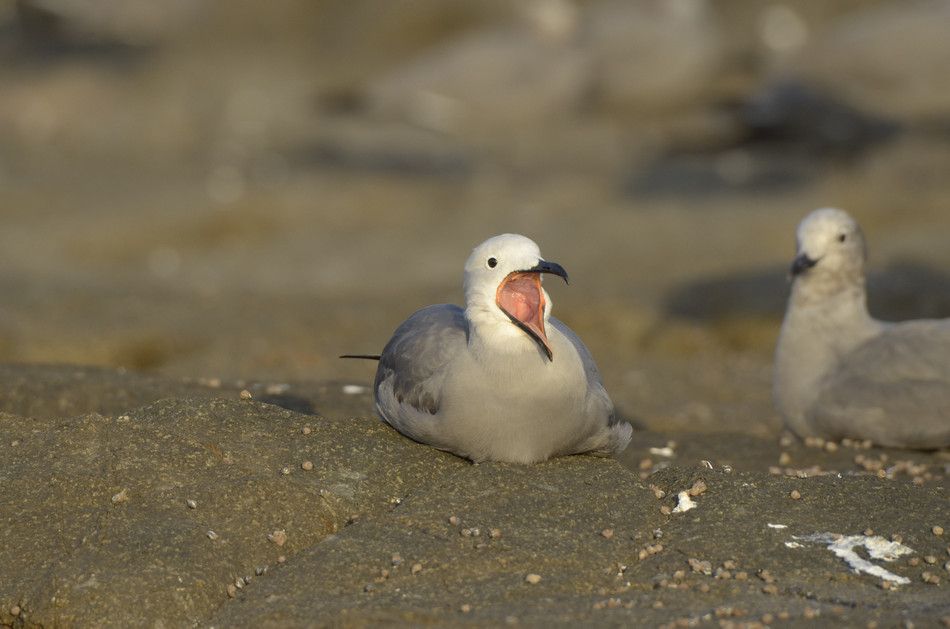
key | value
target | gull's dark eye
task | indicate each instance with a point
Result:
(842, 237)
(492, 263)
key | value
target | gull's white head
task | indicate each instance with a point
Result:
(829, 244)
(503, 286)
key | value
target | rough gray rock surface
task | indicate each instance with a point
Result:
(97, 529)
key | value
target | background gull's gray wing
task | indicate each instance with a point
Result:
(617, 432)
(412, 368)
(894, 389)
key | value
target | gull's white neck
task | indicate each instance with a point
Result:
(825, 321)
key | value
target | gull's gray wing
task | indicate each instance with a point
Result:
(894, 389)
(617, 432)
(412, 368)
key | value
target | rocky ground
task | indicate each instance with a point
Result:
(202, 198)
(132, 500)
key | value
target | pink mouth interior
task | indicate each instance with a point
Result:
(521, 297)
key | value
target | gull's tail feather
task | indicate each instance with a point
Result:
(361, 356)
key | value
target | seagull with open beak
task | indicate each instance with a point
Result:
(501, 379)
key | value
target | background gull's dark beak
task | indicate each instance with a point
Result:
(543, 266)
(801, 264)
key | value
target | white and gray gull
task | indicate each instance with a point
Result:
(500, 379)
(839, 372)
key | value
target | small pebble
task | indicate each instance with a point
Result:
(15, 610)
(913, 561)
(657, 492)
(742, 575)
(122, 496)
(533, 579)
(306, 430)
(212, 535)
(665, 510)
(767, 619)
(704, 588)
(453, 520)
(607, 533)
(931, 578)
(937, 530)
(494, 533)
(307, 465)
(795, 495)
(397, 560)
(279, 537)
(698, 488)
(868, 532)
(930, 559)
(285, 471)
(784, 458)
(260, 570)
(810, 612)
(245, 394)
(369, 587)
(232, 590)
(897, 537)
(831, 446)
(191, 504)
(416, 568)
(281, 558)
(705, 567)
(729, 564)
(465, 608)
(771, 588)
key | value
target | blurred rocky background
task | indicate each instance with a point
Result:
(239, 189)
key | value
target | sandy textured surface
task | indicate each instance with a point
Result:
(203, 508)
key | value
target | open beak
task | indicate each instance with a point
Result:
(520, 297)
(801, 264)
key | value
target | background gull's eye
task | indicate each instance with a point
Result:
(841, 238)
(492, 263)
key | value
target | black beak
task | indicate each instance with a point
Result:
(801, 264)
(543, 266)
